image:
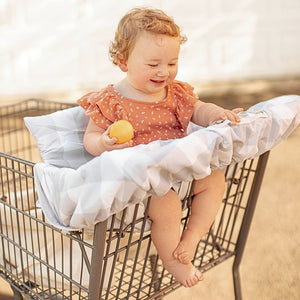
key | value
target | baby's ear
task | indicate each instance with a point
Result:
(122, 63)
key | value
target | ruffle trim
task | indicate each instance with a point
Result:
(185, 106)
(105, 107)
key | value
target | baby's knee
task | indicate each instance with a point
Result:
(218, 176)
(165, 207)
(218, 180)
(214, 181)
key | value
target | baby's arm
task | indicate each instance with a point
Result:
(206, 114)
(96, 140)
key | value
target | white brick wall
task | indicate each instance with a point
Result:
(52, 46)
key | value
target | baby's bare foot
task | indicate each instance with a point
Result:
(182, 255)
(186, 248)
(186, 274)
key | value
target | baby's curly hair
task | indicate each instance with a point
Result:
(136, 21)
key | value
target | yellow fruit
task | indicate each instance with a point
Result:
(122, 130)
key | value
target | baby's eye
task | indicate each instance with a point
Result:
(172, 64)
(152, 65)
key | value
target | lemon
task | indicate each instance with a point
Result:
(122, 130)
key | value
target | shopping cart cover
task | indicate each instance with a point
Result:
(73, 198)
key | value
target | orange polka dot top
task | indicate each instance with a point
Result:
(161, 120)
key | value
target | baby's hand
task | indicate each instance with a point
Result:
(231, 115)
(108, 144)
(221, 114)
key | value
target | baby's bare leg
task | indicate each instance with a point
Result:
(208, 194)
(165, 213)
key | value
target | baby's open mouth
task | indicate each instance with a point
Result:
(158, 81)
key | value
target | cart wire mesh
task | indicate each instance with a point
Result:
(113, 260)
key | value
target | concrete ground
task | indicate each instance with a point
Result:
(271, 262)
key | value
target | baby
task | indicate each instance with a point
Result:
(146, 48)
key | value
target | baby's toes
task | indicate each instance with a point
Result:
(199, 275)
(195, 279)
(184, 258)
(182, 255)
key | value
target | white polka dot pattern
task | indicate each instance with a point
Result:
(161, 120)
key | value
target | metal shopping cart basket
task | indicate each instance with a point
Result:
(114, 260)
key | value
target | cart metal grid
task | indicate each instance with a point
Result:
(115, 259)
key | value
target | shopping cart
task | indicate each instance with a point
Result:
(115, 259)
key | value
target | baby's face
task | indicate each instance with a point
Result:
(153, 63)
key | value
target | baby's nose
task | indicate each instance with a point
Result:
(163, 71)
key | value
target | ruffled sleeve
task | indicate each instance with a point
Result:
(185, 99)
(103, 107)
